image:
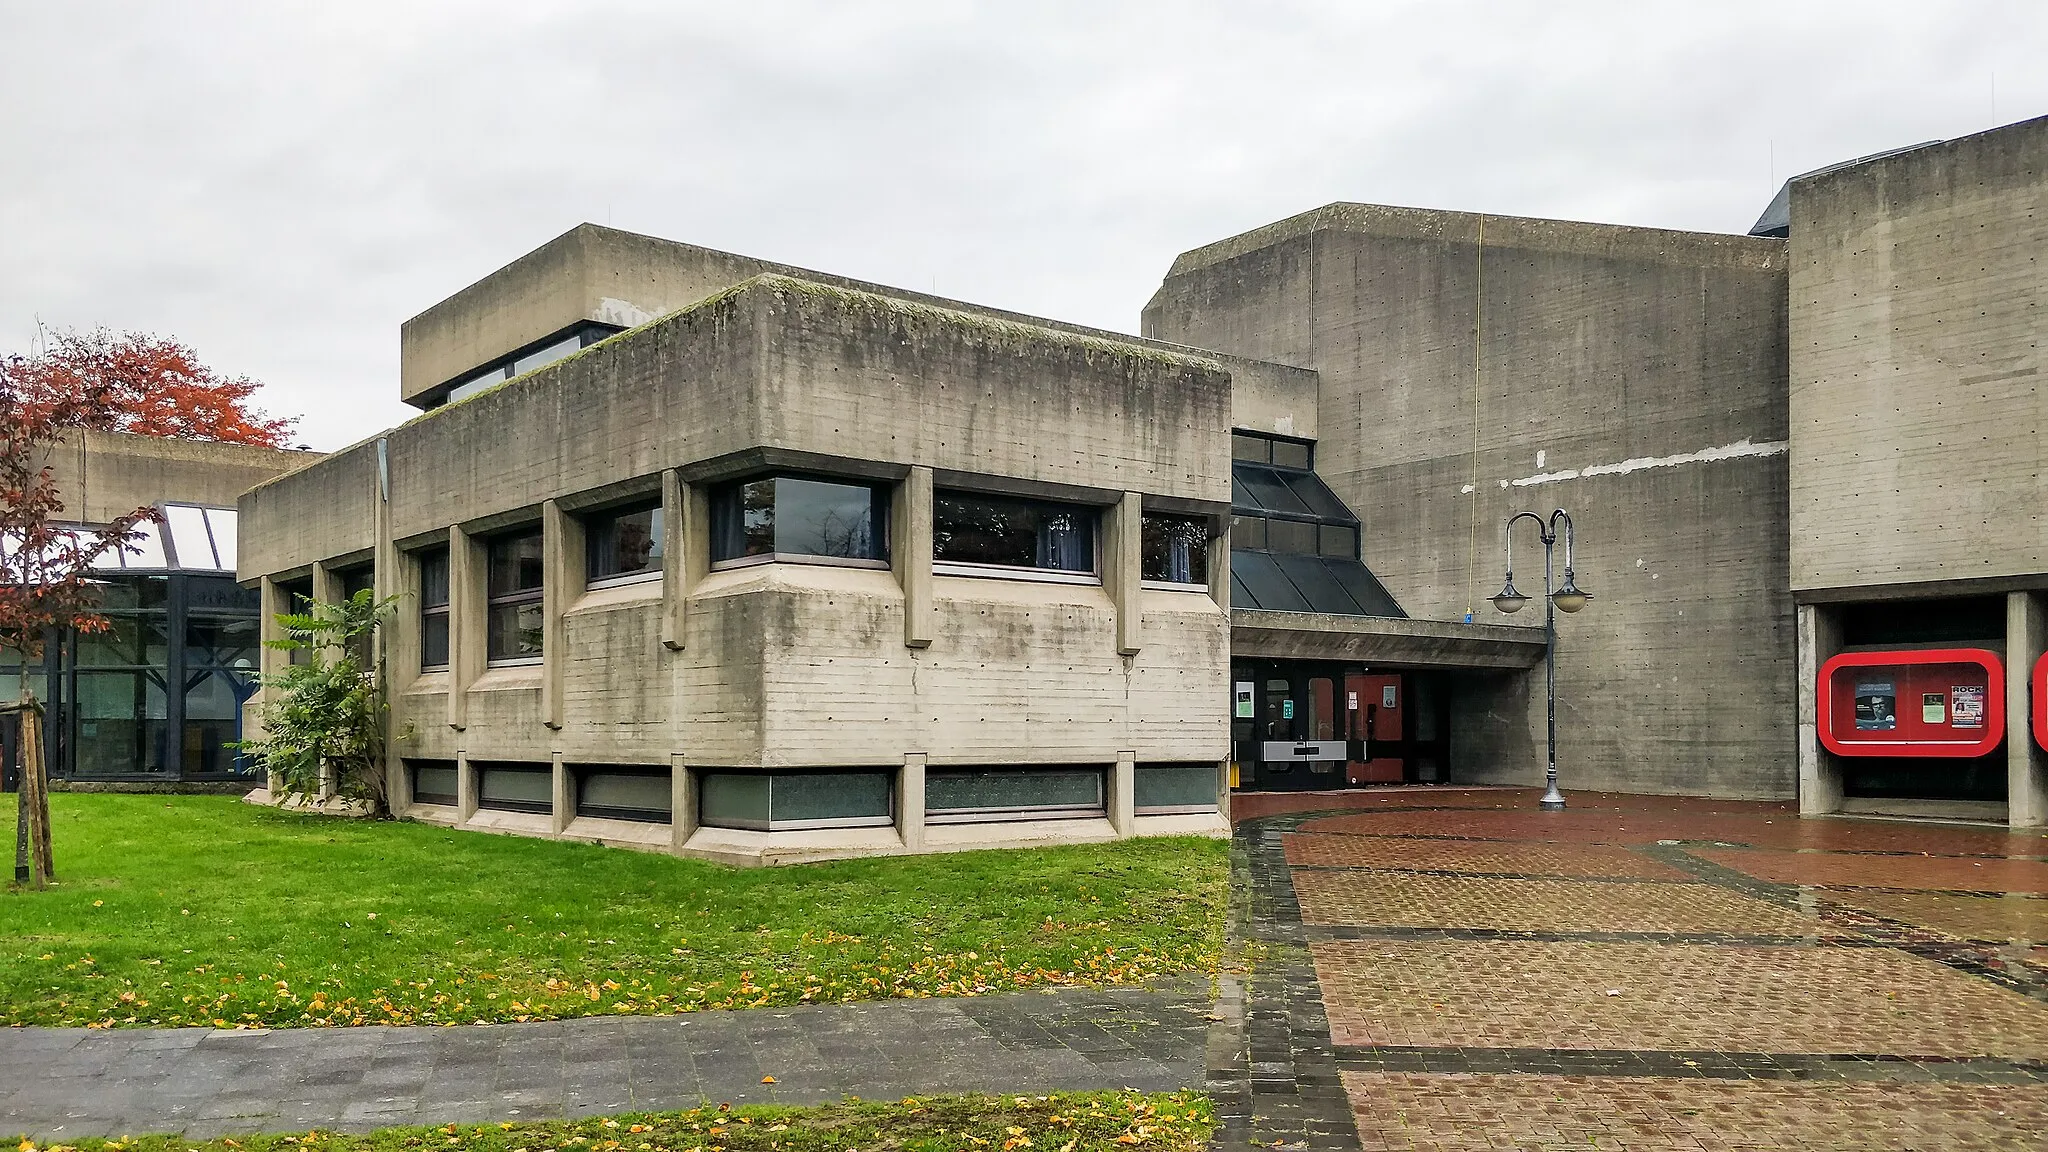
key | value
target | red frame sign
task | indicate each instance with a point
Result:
(1945, 702)
(2041, 701)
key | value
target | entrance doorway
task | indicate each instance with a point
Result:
(1315, 725)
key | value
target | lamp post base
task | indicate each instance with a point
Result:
(1553, 800)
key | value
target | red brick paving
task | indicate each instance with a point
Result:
(1591, 861)
(1417, 1112)
(1932, 873)
(1489, 861)
(1664, 997)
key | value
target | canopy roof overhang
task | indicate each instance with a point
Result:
(1383, 641)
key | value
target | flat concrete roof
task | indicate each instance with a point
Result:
(1384, 641)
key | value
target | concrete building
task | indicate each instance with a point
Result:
(716, 556)
(158, 697)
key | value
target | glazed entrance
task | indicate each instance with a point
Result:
(1317, 725)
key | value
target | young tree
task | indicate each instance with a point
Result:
(323, 718)
(45, 565)
(151, 386)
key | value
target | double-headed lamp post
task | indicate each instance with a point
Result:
(1566, 598)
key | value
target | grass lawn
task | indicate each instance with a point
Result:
(202, 910)
(1066, 1122)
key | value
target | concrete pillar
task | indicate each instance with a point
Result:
(1123, 784)
(678, 528)
(1123, 562)
(1223, 788)
(326, 590)
(390, 580)
(910, 554)
(563, 808)
(467, 591)
(910, 802)
(682, 803)
(269, 662)
(562, 577)
(465, 787)
(2026, 766)
(1219, 566)
(1820, 778)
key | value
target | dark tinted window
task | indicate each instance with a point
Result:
(976, 529)
(513, 621)
(1291, 536)
(1290, 454)
(1337, 540)
(434, 608)
(1248, 532)
(624, 542)
(793, 516)
(1253, 448)
(1175, 548)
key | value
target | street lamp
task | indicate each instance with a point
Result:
(1566, 598)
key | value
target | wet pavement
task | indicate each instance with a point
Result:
(1635, 972)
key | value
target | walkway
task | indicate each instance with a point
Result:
(1457, 970)
(72, 1083)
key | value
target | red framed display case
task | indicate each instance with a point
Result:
(1939, 702)
(2040, 697)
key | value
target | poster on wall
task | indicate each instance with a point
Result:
(1877, 706)
(1933, 708)
(1242, 695)
(1966, 705)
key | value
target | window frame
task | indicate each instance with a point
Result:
(593, 525)
(432, 611)
(1201, 523)
(1092, 514)
(514, 599)
(725, 503)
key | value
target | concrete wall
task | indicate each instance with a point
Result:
(1633, 376)
(794, 665)
(1919, 307)
(101, 475)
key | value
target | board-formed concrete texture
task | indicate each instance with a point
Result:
(788, 665)
(1633, 376)
(104, 475)
(1919, 284)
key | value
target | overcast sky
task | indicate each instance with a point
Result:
(280, 185)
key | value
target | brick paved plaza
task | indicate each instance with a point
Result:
(1643, 973)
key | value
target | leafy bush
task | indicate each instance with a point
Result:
(323, 717)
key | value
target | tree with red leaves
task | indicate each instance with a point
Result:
(45, 563)
(146, 385)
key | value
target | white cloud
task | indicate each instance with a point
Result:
(281, 185)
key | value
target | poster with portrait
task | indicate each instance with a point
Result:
(1877, 706)
(1966, 705)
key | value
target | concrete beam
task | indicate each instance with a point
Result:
(1384, 641)
(1123, 568)
(910, 554)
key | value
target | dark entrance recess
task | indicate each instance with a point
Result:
(1961, 621)
(1318, 725)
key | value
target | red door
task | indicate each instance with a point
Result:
(1375, 703)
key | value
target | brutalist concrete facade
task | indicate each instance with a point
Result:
(756, 669)
(1472, 367)
(1919, 289)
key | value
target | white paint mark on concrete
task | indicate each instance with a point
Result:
(624, 313)
(1283, 425)
(1738, 450)
(1539, 459)
(1468, 489)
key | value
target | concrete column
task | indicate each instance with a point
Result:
(2026, 766)
(682, 802)
(467, 592)
(269, 662)
(1820, 778)
(563, 809)
(910, 554)
(1219, 566)
(1223, 788)
(1123, 540)
(1123, 785)
(465, 787)
(562, 577)
(326, 590)
(389, 581)
(910, 802)
(677, 528)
